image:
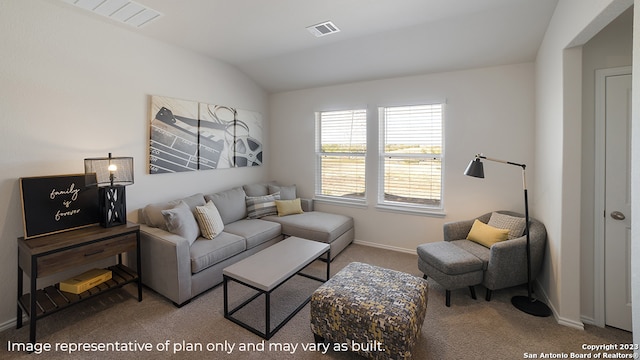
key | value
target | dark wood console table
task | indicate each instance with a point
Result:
(50, 254)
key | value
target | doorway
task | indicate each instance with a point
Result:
(613, 197)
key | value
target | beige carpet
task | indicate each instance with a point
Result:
(467, 330)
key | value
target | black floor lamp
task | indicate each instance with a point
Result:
(524, 303)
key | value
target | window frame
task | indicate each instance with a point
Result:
(319, 154)
(399, 206)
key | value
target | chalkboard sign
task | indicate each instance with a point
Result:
(52, 204)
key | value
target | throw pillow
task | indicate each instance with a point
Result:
(289, 207)
(286, 192)
(152, 213)
(486, 235)
(180, 221)
(514, 224)
(259, 206)
(209, 219)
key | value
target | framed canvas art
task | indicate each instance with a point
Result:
(52, 204)
(188, 136)
(173, 145)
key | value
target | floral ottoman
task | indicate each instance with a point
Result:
(373, 311)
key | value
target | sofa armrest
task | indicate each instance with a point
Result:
(457, 230)
(166, 263)
(307, 204)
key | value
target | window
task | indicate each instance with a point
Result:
(410, 170)
(341, 146)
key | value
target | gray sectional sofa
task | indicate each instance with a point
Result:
(180, 266)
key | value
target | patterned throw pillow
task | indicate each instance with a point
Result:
(260, 206)
(209, 219)
(515, 225)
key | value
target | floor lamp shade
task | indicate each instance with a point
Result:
(475, 169)
(112, 175)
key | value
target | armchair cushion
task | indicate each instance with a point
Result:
(486, 235)
(514, 224)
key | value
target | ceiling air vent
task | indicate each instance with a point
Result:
(124, 11)
(323, 29)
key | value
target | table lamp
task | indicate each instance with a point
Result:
(112, 175)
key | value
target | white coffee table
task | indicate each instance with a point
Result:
(266, 270)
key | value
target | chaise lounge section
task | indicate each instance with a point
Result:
(181, 263)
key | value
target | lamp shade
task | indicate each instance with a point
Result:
(110, 171)
(475, 169)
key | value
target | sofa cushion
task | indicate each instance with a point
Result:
(230, 204)
(475, 249)
(209, 220)
(205, 253)
(261, 206)
(152, 213)
(314, 225)
(286, 192)
(258, 189)
(180, 221)
(255, 231)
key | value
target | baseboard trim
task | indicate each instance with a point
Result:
(560, 320)
(11, 324)
(588, 320)
(571, 323)
(386, 247)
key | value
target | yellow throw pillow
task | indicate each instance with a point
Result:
(289, 207)
(486, 235)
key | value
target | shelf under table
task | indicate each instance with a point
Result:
(51, 299)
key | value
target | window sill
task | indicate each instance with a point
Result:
(361, 204)
(439, 213)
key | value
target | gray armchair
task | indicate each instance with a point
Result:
(505, 263)
(457, 262)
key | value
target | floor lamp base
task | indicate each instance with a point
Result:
(531, 306)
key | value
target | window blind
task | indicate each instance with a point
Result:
(411, 155)
(341, 149)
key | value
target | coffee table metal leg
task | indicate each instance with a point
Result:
(267, 310)
(226, 294)
(328, 264)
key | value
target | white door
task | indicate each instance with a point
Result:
(617, 224)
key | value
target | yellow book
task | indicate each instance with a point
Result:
(85, 281)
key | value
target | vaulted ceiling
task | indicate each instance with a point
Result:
(267, 39)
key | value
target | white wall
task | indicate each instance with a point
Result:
(612, 47)
(488, 110)
(558, 145)
(72, 87)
